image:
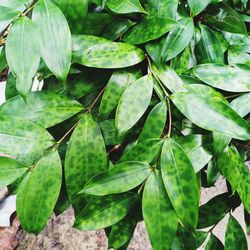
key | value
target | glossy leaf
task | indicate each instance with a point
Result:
(208, 49)
(155, 26)
(85, 157)
(125, 6)
(10, 170)
(200, 238)
(180, 182)
(241, 104)
(214, 210)
(23, 53)
(45, 108)
(155, 122)
(224, 77)
(99, 52)
(235, 238)
(178, 39)
(197, 6)
(214, 243)
(117, 84)
(158, 213)
(212, 114)
(133, 103)
(7, 15)
(118, 179)
(44, 180)
(18, 5)
(25, 140)
(55, 37)
(104, 211)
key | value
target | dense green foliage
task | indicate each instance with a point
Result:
(140, 104)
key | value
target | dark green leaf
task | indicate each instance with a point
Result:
(45, 108)
(104, 211)
(10, 170)
(133, 103)
(118, 179)
(3, 62)
(180, 182)
(214, 243)
(98, 52)
(212, 114)
(44, 180)
(158, 213)
(155, 26)
(55, 37)
(200, 238)
(10, 89)
(213, 172)
(235, 237)
(125, 6)
(23, 53)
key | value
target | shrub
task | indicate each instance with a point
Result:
(139, 105)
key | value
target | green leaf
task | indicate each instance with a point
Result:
(10, 89)
(178, 39)
(180, 182)
(45, 108)
(133, 103)
(10, 170)
(85, 156)
(236, 172)
(200, 238)
(55, 37)
(7, 15)
(155, 27)
(23, 53)
(99, 52)
(118, 179)
(155, 122)
(18, 5)
(224, 77)
(104, 211)
(197, 6)
(214, 243)
(235, 238)
(241, 104)
(3, 62)
(146, 152)
(197, 148)
(125, 6)
(75, 12)
(23, 139)
(208, 49)
(213, 172)
(159, 8)
(117, 84)
(212, 114)
(122, 232)
(38, 193)
(214, 210)
(158, 213)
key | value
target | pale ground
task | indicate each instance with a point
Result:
(59, 235)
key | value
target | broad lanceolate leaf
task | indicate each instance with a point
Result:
(117, 84)
(38, 193)
(159, 8)
(6, 16)
(180, 182)
(235, 237)
(45, 108)
(214, 210)
(125, 6)
(212, 114)
(241, 104)
(10, 170)
(146, 152)
(158, 213)
(97, 52)
(23, 139)
(155, 26)
(155, 122)
(208, 49)
(178, 39)
(214, 243)
(236, 172)
(55, 37)
(104, 211)
(232, 79)
(23, 53)
(85, 157)
(133, 103)
(197, 6)
(118, 179)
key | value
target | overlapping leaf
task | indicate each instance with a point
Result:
(125, 6)
(7, 15)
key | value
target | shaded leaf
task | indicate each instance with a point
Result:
(200, 238)
(213, 172)
(214, 243)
